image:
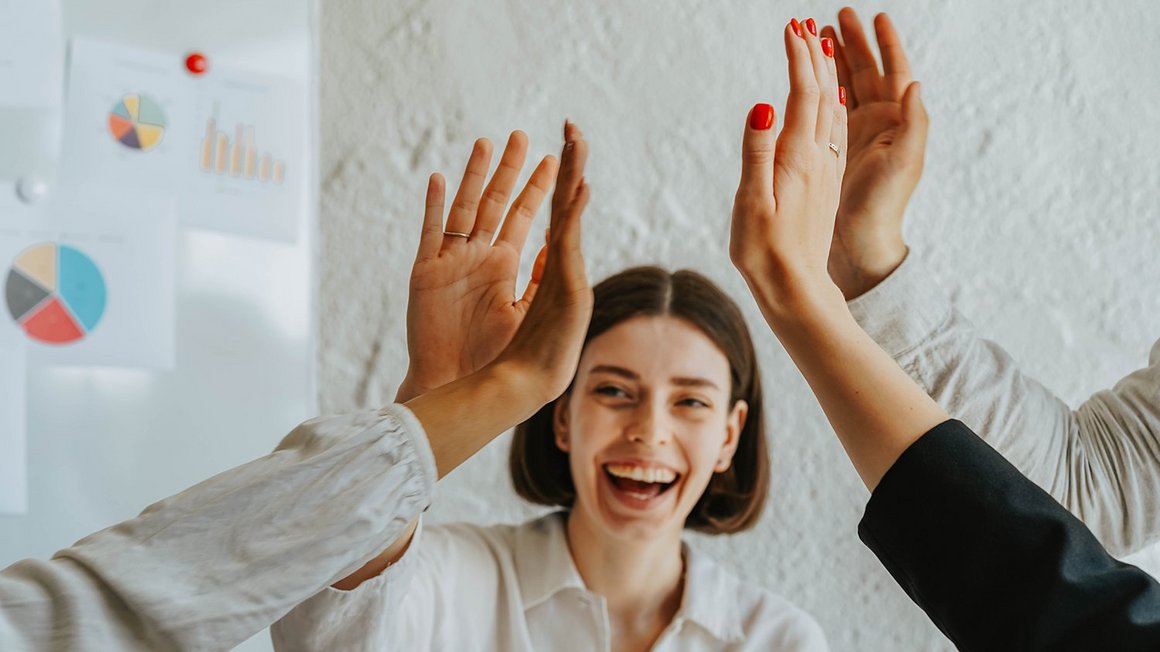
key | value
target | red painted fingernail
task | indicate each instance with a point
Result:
(828, 46)
(797, 27)
(842, 95)
(812, 26)
(761, 117)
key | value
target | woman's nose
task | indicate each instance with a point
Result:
(649, 427)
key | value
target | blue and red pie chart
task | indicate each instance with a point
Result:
(55, 293)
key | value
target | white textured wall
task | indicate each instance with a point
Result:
(1038, 208)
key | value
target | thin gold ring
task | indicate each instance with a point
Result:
(457, 234)
(837, 151)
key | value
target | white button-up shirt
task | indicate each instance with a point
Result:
(515, 588)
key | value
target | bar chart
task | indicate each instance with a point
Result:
(238, 157)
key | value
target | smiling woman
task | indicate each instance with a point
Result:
(669, 361)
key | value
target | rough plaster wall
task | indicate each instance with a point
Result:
(1037, 208)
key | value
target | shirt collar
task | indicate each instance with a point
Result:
(710, 596)
(544, 560)
(546, 568)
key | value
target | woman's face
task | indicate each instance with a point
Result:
(647, 423)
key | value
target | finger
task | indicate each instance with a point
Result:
(499, 189)
(822, 57)
(519, 220)
(843, 68)
(865, 80)
(838, 137)
(564, 248)
(537, 275)
(801, 107)
(466, 202)
(894, 62)
(915, 122)
(757, 145)
(431, 236)
(572, 161)
(830, 96)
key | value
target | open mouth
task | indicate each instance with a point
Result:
(640, 483)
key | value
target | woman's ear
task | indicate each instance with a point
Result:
(560, 421)
(734, 423)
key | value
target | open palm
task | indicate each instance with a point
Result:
(463, 310)
(887, 143)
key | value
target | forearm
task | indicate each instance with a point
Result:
(1101, 460)
(874, 407)
(215, 564)
(974, 379)
(459, 418)
(464, 416)
(995, 562)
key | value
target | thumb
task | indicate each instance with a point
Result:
(914, 122)
(757, 153)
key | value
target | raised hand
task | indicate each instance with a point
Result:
(783, 222)
(888, 126)
(533, 366)
(783, 214)
(547, 345)
(462, 310)
(538, 363)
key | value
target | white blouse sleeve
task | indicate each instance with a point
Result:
(451, 590)
(210, 567)
(1101, 460)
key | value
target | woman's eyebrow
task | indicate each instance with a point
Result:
(682, 381)
(614, 370)
(693, 382)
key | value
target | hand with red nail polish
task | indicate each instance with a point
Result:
(783, 213)
(888, 126)
(811, 26)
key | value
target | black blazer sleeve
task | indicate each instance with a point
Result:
(995, 561)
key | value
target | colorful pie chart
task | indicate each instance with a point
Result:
(137, 122)
(55, 293)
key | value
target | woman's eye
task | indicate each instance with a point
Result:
(693, 402)
(609, 390)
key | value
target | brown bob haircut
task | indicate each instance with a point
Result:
(734, 498)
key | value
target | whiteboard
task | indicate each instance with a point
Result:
(104, 443)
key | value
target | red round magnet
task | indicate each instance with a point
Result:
(196, 63)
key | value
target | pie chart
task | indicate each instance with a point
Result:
(137, 122)
(55, 293)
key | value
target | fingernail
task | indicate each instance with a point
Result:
(761, 117)
(842, 95)
(797, 27)
(828, 46)
(812, 26)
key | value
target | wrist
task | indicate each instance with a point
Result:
(857, 270)
(463, 416)
(790, 299)
(521, 384)
(409, 389)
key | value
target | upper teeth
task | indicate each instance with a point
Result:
(641, 474)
